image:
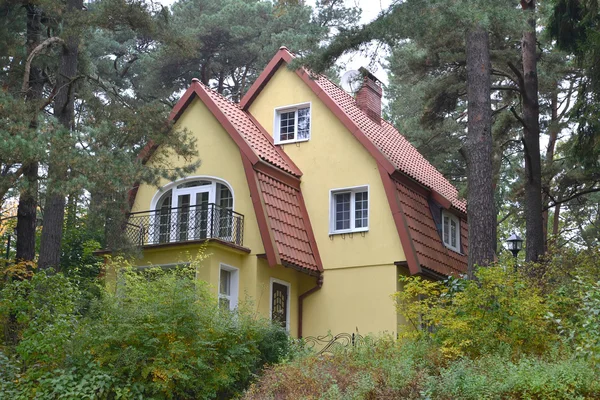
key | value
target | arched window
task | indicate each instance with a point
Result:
(193, 210)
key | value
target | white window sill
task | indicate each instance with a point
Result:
(291, 141)
(359, 230)
(454, 249)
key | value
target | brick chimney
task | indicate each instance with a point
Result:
(368, 98)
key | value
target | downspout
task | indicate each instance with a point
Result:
(301, 302)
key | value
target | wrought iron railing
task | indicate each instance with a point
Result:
(173, 225)
(328, 344)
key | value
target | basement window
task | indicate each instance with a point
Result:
(349, 210)
(292, 124)
(451, 231)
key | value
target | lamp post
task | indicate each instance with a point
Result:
(514, 244)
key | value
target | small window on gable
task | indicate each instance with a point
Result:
(228, 287)
(349, 210)
(451, 231)
(292, 124)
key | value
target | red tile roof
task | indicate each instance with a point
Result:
(284, 221)
(395, 147)
(394, 154)
(429, 248)
(287, 222)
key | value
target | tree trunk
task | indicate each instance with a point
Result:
(556, 223)
(27, 208)
(553, 133)
(54, 211)
(478, 152)
(531, 140)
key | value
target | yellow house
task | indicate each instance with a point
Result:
(309, 202)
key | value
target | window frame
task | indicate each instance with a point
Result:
(288, 302)
(234, 285)
(276, 122)
(353, 190)
(456, 219)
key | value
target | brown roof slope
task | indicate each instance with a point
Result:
(395, 147)
(429, 248)
(288, 224)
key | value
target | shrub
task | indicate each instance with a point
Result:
(495, 377)
(160, 335)
(499, 312)
(384, 369)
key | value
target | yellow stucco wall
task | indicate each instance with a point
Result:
(220, 158)
(353, 299)
(299, 283)
(332, 159)
(360, 274)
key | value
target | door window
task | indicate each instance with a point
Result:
(280, 303)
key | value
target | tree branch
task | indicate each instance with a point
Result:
(572, 197)
(46, 43)
(515, 70)
(518, 117)
(511, 88)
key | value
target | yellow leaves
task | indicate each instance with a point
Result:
(501, 310)
(20, 271)
(159, 375)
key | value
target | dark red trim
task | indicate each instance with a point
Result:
(410, 183)
(301, 302)
(309, 232)
(277, 174)
(283, 55)
(261, 214)
(400, 220)
(441, 200)
(295, 170)
(296, 267)
(183, 102)
(264, 77)
(225, 123)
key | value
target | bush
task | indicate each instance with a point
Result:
(160, 335)
(382, 369)
(526, 334)
(501, 311)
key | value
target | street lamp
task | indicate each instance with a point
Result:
(514, 244)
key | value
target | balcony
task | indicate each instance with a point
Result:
(184, 224)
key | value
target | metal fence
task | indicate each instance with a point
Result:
(183, 224)
(328, 344)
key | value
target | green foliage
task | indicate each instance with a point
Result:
(525, 334)
(160, 334)
(495, 377)
(498, 312)
(227, 43)
(41, 313)
(383, 368)
(585, 331)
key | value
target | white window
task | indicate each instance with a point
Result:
(228, 287)
(193, 210)
(349, 210)
(292, 124)
(451, 231)
(280, 303)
